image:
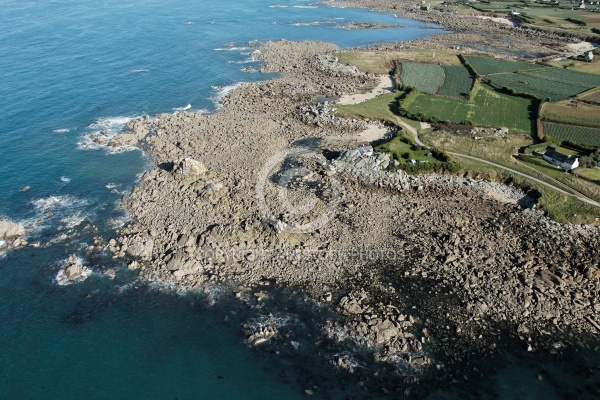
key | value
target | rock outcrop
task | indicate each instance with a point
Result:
(12, 235)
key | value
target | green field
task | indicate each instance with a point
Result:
(442, 108)
(458, 81)
(426, 78)
(535, 86)
(488, 65)
(572, 133)
(592, 173)
(499, 110)
(565, 76)
(486, 108)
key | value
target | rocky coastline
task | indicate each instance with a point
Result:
(413, 265)
(468, 32)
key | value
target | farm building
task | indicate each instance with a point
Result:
(567, 162)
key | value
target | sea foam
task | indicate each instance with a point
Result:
(102, 132)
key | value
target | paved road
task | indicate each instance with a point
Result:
(413, 131)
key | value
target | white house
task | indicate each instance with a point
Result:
(566, 162)
(589, 56)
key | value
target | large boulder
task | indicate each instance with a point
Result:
(73, 271)
(140, 246)
(189, 167)
(10, 230)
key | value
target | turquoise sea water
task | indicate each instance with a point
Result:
(69, 68)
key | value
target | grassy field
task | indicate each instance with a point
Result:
(486, 108)
(577, 134)
(535, 86)
(442, 108)
(426, 78)
(375, 109)
(458, 81)
(491, 108)
(379, 62)
(488, 65)
(569, 77)
(564, 19)
(401, 150)
(571, 112)
(581, 66)
(592, 173)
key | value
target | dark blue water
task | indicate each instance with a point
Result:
(70, 68)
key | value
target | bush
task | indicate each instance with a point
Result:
(587, 162)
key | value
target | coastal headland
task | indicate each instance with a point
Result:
(272, 189)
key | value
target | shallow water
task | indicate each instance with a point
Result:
(70, 69)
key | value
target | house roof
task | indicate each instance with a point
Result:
(562, 158)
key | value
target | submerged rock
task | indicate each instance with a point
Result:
(73, 271)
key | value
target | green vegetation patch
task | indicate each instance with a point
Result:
(488, 65)
(575, 134)
(565, 76)
(441, 108)
(591, 173)
(499, 110)
(378, 108)
(534, 86)
(426, 78)
(405, 151)
(487, 108)
(458, 82)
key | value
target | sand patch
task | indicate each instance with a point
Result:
(386, 85)
(581, 47)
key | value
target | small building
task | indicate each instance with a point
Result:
(589, 56)
(567, 162)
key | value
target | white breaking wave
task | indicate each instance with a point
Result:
(305, 7)
(232, 48)
(64, 211)
(222, 91)
(103, 131)
(51, 203)
(315, 23)
(178, 109)
(119, 222)
(63, 280)
(62, 130)
(138, 71)
(65, 179)
(73, 220)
